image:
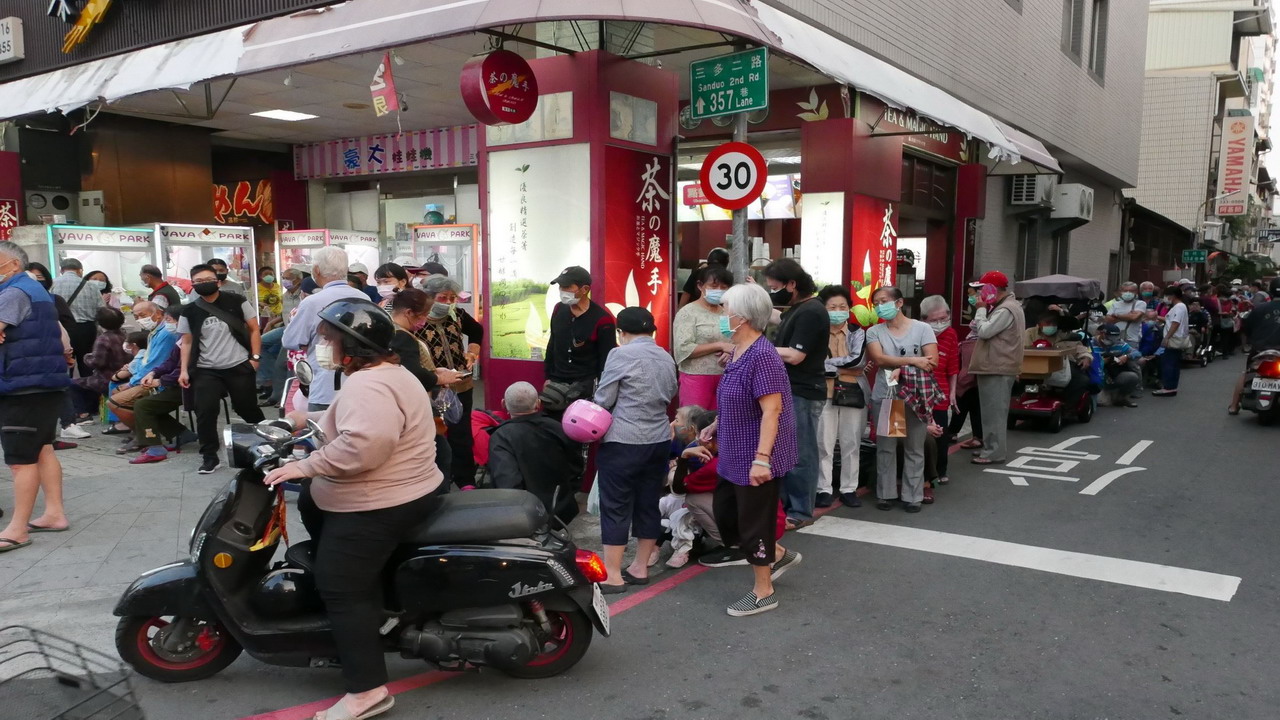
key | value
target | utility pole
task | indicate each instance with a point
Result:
(740, 244)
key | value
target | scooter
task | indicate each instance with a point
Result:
(1262, 387)
(486, 582)
(1035, 399)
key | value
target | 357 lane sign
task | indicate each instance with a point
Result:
(729, 84)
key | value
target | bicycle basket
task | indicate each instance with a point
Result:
(45, 677)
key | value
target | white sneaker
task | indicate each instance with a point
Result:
(74, 432)
(678, 559)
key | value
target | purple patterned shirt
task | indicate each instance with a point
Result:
(757, 372)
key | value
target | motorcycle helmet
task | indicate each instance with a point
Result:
(1042, 344)
(585, 421)
(286, 592)
(366, 328)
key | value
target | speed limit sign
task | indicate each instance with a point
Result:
(733, 175)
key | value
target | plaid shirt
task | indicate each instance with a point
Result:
(85, 307)
(919, 391)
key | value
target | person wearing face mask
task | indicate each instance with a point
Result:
(391, 278)
(270, 299)
(690, 292)
(1048, 332)
(107, 358)
(970, 302)
(33, 381)
(225, 282)
(997, 361)
(162, 293)
(1127, 312)
(220, 356)
(802, 343)
(842, 418)
(1177, 339)
(638, 383)
(127, 388)
(329, 269)
(155, 429)
(697, 341)
(1147, 293)
(85, 297)
(453, 341)
(582, 334)
(361, 271)
(937, 315)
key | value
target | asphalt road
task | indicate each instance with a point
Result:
(903, 628)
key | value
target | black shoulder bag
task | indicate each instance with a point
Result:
(849, 394)
(236, 325)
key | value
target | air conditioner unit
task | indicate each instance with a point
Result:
(1072, 201)
(92, 208)
(52, 203)
(1027, 190)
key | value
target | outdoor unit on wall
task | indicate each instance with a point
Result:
(1072, 201)
(1032, 190)
(57, 205)
(91, 208)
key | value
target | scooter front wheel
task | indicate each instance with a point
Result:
(144, 643)
(562, 647)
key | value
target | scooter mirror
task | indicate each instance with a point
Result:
(274, 433)
(314, 427)
(302, 370)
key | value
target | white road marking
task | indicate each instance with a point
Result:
(1022, 474)
(1056, 465)
(1049, 452)
(1062, 562)
(1134, 452)
(1096, 486)
(1072, 441)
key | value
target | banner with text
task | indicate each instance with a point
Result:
(873, 261)
(397, 152)
(1235, 165)
(637, 244)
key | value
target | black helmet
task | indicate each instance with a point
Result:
(367, 329)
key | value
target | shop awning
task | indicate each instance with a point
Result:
(1032, 151)
(178, 64)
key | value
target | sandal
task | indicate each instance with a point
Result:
(7, 545)
(630, 579)
(32, 527)
(792, 525)
(113, 430)
(1233, 411)
(985, 461)
(340, 711)
(971, 443)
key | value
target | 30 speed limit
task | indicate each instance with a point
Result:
(733, 175)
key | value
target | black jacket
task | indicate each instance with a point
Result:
(531, 452)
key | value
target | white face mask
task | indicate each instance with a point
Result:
(328, 356)
(172, 326)
(386, 291)
(940, 325)
(568, 298)
(147, 323)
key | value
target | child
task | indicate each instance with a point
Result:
(688, 509)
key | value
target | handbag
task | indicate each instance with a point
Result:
(448, 405)
(1180, 343)
(848, 394)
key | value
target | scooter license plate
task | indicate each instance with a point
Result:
(600, 606)
(1266, 384)
(1032, 388)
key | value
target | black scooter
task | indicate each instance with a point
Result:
(486, 583)
(1262, 387)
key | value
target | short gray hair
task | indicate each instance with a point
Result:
(440, 283)
(330, 263)
(931, 303)
(15, 251)
(70, 264)
(145, 307)
(521, 398)
(1128, 284)
(1149, 284)
(750, 302)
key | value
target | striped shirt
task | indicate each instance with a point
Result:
(85, 307)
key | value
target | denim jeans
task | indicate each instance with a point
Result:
(271, 349)
(800, 485)
(1170, 368)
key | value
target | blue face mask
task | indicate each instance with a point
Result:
(887, 310)
(838, 317)
(713, 297)
(725, 329)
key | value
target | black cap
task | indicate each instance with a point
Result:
(1110, 330)
(636, 321)
(573, 275)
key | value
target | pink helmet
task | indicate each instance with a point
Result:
(586, 422)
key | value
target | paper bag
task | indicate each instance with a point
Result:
(892, 420)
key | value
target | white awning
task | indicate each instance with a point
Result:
(1031, 150)
(178, 64)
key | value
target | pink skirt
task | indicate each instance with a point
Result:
(699, 390)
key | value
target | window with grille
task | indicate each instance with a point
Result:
(1028, 250)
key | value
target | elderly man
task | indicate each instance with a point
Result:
(1127, 313)
(85, 297)
(996, 362)
(33, 379)
(1147, 293)
(360, 270)
(127, 386)
(531, 452)
(162, 293)
(329, 268)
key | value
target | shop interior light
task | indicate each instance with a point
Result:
(286, 115)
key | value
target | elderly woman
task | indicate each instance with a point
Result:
(453, 339)
(897, 343)
(841, 417)
(372, 483)
(937, 315)
(698, 343)
(756, 435)
(390, 279)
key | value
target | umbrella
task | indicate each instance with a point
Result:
(1062, 286)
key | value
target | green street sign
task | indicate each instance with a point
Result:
(729, 84)
(1194, 256)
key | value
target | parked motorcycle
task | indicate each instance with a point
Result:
(1262, 387)
(486, 582)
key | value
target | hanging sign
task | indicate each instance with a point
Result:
(733, 175)
(499, 88)
(353, 237)
(302, 238)
(8, 218)
(383, 88)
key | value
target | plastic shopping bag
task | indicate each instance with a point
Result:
(593, 498)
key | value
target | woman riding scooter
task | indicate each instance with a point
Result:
(373, 481)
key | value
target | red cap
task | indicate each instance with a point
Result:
(995, 277)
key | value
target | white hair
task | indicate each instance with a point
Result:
(329, 263)
(16, 252)
(750, 302)
(440, 283)
(521, 398)
(931, 303)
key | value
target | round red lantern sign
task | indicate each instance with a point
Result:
(499, 88)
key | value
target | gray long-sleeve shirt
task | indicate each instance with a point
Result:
(637, 385)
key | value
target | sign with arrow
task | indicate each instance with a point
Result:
(729, 84)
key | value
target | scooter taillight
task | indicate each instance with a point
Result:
(1269, 369)
(591, 566)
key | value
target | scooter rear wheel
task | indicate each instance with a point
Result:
(566, 644)
(211, 649)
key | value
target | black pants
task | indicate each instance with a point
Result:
(968, 405)
(352, 549)
(153, 417)
(209, 387)
(937, 451)
(444, 458)
(1226, 341)
(463, 471)
(82, 336)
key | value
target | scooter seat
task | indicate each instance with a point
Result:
(480, 515)
(302, 555)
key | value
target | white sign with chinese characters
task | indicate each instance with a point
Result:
(822, 236)
(1064, 462)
